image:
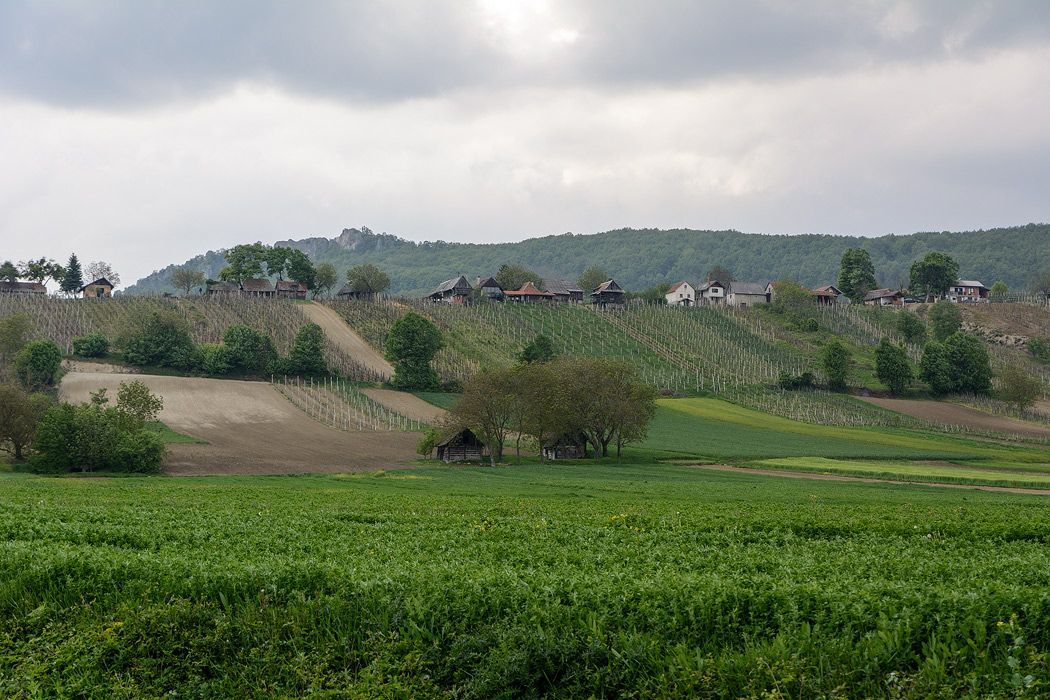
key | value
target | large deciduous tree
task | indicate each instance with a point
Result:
(300, 269)
(186, 278)
(20, 412)
(325, 278)
(42, 270)
(243, 262)
(37, 364)
(540, 349)
(411, 345)
(911, 327)
(969, 361)
(933, 274)
(892, 366)
(720, 274)
(488, 406)
(856, 274)
(98, 269)
(591, 278)
(935, 369)
(1040, 284)
(609, 399)
(945, 319)
(1019, 387)
(835, 361)
(511, 277)
(367, 279)
(9, 272)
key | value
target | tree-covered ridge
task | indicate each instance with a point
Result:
(639, 258)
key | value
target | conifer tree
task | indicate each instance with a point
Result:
(72, 280)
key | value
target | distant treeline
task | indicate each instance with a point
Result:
(641, 258)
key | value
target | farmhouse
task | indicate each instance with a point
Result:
(710, 293)
(258, 287)
(490, 289)
(291, 289)
(223, 288)
(453, 291)
(748, 293)
(461, 446)
(529, 293)
(828, 295)
(99, 289)
(681, 294)
(967, 291)
(608, 294)
(884, 297)
(22, 287)
(564, 290)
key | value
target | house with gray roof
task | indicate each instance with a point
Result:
(748, 293)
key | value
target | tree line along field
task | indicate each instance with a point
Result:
(610, 580)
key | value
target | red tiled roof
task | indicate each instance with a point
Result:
(528, 289)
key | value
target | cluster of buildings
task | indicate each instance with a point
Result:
(458, 290)
(262, 287)
(711, 293)
(101, 288)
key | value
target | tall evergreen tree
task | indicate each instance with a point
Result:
(72, 280)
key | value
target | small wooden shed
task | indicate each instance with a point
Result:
(461, 446)
(608, 294)
(566, 446)
(99, 289)
(259, 286)
(291, 289)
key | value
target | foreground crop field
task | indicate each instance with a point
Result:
(599, 580)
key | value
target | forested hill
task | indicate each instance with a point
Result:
(641, 258)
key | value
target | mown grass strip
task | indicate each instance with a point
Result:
(722, 411)
(907, 471)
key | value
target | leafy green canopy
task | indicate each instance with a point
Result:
(945, 319)
(933, 274)
(835, 361)
(856, 274)
(892, 366)
(411, 345)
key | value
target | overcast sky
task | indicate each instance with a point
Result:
(143, 133)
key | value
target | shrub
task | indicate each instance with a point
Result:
(1039, 347)
(247, 349)
(969, 363)
(37, 363)
(911, 327)
(91, 345)
(945, 319)
(307, 355)
(163, 341)
(411, 345)
(892, 367)
(791, 381)
(215, 359)
(835, 361)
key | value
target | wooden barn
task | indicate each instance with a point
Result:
(608, 294)
(490, 289)
(22, 287)
(461, 446)
(564, 290)
(259, 287)
(101, 288)
(291, 289)
(454, 291)
(566, 446)
(224, 288)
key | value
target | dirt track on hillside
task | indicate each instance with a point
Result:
(339, 333)
(250, 428)
(954, 414)
(342, 335)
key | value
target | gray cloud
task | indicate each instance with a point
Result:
(103, 52)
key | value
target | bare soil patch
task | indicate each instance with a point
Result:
(954, 414)
(89, 367)
(406, 404)
(837, 477)
(250, 428)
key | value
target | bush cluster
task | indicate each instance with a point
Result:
(91, 345)
(791, 381)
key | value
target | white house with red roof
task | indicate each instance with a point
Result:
(681, 294)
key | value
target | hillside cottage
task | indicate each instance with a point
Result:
(99, 289)
(22, 287)
(564, 290)
(828, 295)
(608, 294)
(291, 289)
(461, 446)
(967, 291)
(223, 288)
(884, 297)
(711, 293)
(681, 294)
(258, 287)
(749, 293)
(528, 293)
(490, 289)
(453, 291)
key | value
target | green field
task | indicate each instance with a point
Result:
(601, 580)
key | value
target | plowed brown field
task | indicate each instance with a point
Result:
(954, 414)
(250, 429)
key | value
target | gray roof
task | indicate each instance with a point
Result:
(449, 285)
(561, 287)
(747, 288)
